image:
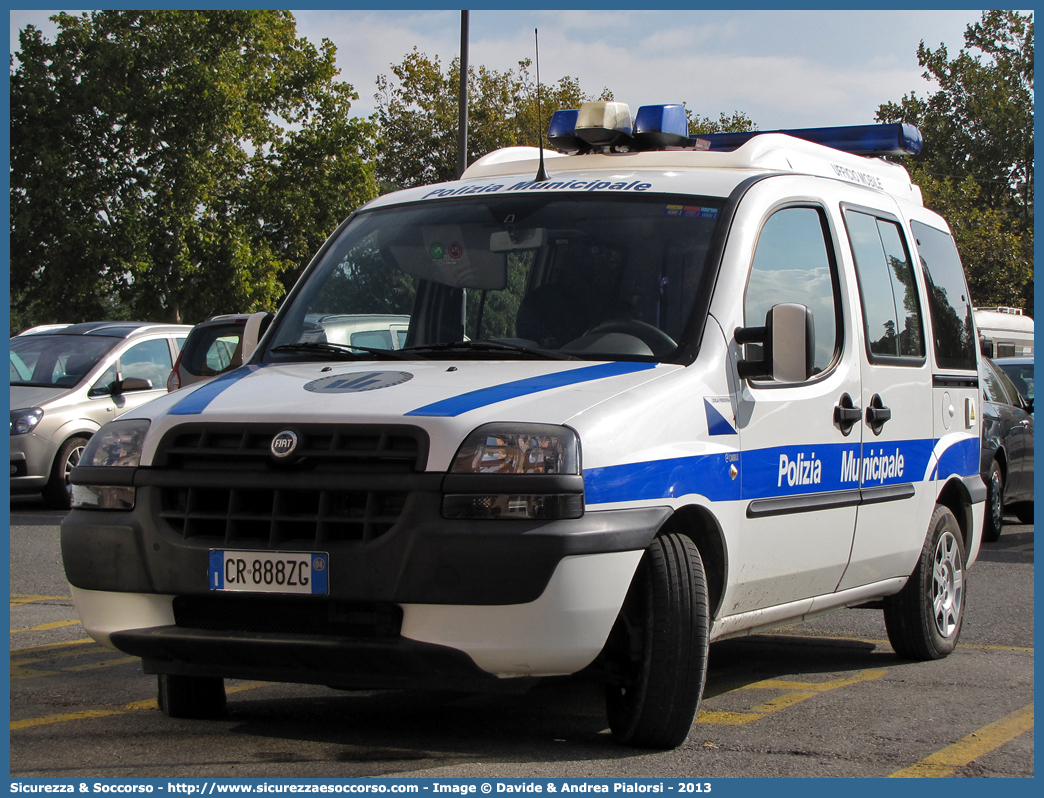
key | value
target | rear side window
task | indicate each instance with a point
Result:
(793, 263)
(949, 300)
(887, 291)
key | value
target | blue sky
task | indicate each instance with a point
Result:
(781, 68)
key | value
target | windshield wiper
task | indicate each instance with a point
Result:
(339, 351)
(487, 345)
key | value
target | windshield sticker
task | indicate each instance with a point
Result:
(691, 212)
(545, 185)
(358, 382)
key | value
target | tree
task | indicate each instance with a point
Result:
(417, 116)
(977, 163)
(737, 122)
(174, 164)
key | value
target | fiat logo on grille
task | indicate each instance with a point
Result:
(284, 443)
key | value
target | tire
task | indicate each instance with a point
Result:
(1024, 511)
(56, 493)
(924, 619)
(657, 652)
(994, 523)
(191, 696)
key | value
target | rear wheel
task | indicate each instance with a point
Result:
(994, 523)
(56, 492)
(191, 696)
(924, 618)
(657, 652)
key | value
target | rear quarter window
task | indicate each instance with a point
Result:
(949, 301)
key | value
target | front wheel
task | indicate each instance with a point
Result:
(191, 696)
(924, 618)
(56, 492)
(994, 523)
(657, 652)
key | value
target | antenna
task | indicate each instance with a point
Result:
(541, 175)
(462, 104)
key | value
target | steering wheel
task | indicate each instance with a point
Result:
(656, 339)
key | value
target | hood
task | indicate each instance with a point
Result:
(446, 398)
(34, 395)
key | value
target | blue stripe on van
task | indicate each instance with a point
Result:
(778, 471)
(197, 401)
(512, 390)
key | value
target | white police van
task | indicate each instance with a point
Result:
(674, 390)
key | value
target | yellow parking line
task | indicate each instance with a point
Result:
(880, 642)
(819, 687)
(798, 692)
(964, 751)
(48, 646)
(90, 713)
(727, 718)
(134, 706)
(24, 598)
(45, 626)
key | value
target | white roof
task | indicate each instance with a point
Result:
(668, 171)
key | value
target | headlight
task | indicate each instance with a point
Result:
(516, 471)
(25, 420)
(518, 449)
(118, 443)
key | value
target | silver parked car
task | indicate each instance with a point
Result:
(67, 382)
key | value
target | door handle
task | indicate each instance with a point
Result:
(877, 414)
(846, 415)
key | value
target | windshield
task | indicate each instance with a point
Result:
(506, 277)
(56, 361)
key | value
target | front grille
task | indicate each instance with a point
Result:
(287, 615)
(342, 483)
(321, 448)
(274, 516)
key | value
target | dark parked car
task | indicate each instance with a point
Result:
(1006, 462)
(1020, 371)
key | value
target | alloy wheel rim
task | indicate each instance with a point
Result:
(947, 585)
(995, 500)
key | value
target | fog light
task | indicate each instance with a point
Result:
(102, 497)
(513, 507)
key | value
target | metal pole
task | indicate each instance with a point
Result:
(462, 112)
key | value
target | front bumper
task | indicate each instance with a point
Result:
(372, 646)
(31, 461)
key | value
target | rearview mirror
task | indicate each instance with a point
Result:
(511, 240)
(788, 343)
(133, 384)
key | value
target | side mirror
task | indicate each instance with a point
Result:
(132, 384)
(788, 344)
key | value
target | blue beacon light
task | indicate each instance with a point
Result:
(888, 139)
(658, 127)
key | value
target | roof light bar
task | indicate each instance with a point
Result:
(562, 131)
(660, 126)
(889, 139)
(603, 124)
